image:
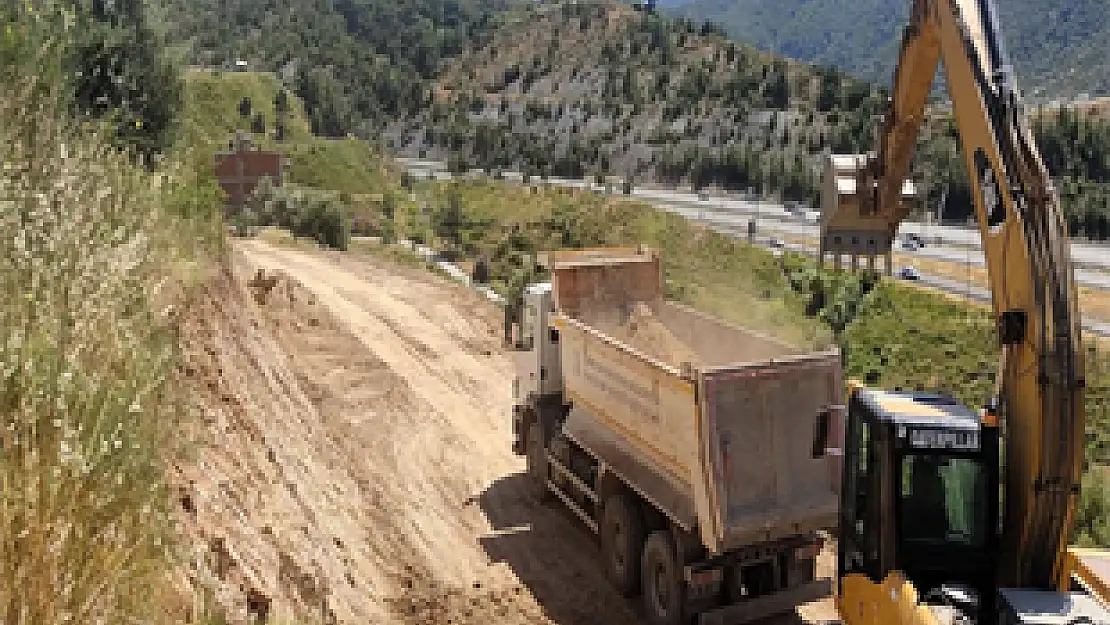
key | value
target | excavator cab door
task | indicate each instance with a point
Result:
(862, 496)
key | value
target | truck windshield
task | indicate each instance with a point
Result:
(943, 500)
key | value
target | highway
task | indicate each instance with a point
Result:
(1094, 279)
(776, 219)
(953, 240)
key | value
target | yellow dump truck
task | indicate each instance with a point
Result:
(702, 454)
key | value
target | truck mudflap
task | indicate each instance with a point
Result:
(767, 605)
(518, 431)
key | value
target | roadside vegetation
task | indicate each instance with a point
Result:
(330, 184)
(100, 254)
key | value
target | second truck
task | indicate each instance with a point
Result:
(699, 453)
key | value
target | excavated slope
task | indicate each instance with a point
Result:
(358, 468)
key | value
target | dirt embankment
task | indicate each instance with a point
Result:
(358, 468)
(358, 465)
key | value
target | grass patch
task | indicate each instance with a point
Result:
(347, 166)
(97, 254)
(506, 225)
(211, 113)
(211, 118)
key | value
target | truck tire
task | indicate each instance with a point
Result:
(622, 538)
(661, 574)
(536, 454)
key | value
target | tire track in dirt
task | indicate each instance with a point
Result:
(479, 550)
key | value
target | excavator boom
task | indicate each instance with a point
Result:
(1025, 243)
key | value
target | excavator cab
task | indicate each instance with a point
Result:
(920, 495)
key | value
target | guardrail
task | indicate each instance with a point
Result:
(451, 269)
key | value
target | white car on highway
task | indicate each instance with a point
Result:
(908, 273)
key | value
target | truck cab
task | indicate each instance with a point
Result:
(921, 494)
(536, 348)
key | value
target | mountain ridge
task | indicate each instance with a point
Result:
(1057, 46)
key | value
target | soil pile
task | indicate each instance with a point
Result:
(641, 329)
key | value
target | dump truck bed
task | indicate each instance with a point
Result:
(675, 335)
(712, 422)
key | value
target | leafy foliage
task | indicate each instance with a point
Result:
(319, 217)
(354, 63)
(92, 405)
(120, 69)
(1075, 149)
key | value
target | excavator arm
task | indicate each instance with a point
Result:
(1024, 240)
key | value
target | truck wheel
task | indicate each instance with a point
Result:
(622, 536)
(662, 580)
(536, 454)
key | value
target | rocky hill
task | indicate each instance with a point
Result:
(604, 88)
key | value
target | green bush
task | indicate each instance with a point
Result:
(324, 221)
(92, 409)
(1092, 516)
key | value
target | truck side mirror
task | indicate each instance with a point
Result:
(516, 340)
(821, 433)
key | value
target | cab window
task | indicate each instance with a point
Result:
(942, 499)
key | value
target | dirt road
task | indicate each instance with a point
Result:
(359, 468)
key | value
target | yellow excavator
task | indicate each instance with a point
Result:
(948, 514)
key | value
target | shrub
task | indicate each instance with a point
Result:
(90, 410)
(323, 220)
(1091, 516)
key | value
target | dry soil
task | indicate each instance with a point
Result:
(358, 466)
(641, 329)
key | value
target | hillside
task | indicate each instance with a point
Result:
(603, 89)
(354, 62)
(212, 115)
(600, 88)
(1058, 46)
